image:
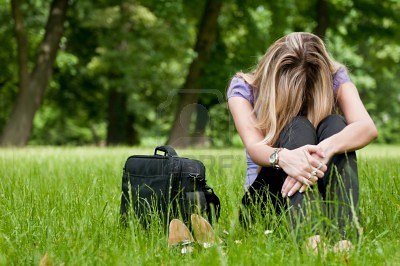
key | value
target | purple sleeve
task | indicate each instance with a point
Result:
(239, 88)
(339, 78)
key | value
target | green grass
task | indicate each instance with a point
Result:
(65, 202)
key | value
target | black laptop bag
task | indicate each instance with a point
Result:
(166, 186)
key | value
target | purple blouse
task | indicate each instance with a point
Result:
(239, 88)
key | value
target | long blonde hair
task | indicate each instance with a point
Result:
(293, 78)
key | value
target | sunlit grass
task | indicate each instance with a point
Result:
(65, 202)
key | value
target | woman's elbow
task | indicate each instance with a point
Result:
(373, 131)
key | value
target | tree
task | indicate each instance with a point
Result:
(142, 54)
(243, 32)
(189, 93)
(117, 75)
(322, 18)
(120, 122)
(32, 84)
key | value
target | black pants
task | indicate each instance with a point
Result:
(338, 188)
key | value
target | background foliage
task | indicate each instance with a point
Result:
(141, 51)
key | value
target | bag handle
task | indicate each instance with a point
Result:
(168, 150)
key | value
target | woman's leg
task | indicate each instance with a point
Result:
(266, 189)
(339, 187)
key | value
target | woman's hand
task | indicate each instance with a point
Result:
(303, 164)
(309, 164)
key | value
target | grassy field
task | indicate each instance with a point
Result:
(64, 202)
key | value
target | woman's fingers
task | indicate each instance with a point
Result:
(318, 165)
(295, 188)
(314, 161)
(315, 149)
(318, 168)
(287, 185)
(317, 173)
(309, 180)
(291, 186)
(313, 177)
(306, 178)
(303, 189)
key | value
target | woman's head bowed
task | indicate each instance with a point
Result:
(294, 77)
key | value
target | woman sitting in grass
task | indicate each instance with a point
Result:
(284, 112)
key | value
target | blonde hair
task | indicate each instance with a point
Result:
(293, 78)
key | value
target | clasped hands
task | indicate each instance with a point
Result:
(303, 166)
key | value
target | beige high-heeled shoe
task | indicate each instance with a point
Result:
(316, 245)
(343, 246)
(203, 232)
(179, 234)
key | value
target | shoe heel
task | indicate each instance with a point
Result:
(179, 234)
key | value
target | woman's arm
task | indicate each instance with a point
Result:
(360, 129)
(244, 118)
(296, 163)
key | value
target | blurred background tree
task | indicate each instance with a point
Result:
(34, 70)
(123, 66)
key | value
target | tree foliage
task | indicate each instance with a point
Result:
(121, 64)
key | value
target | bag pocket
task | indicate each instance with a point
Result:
(150, 197)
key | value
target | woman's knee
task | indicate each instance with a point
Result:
(301, 122)
(297, 133)
(330, 125)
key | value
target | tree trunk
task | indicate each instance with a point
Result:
(32, 86)
(120, 128)
(120, 124)
(322, 18)
(202, 119)
(180, 135)
(116, 121)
